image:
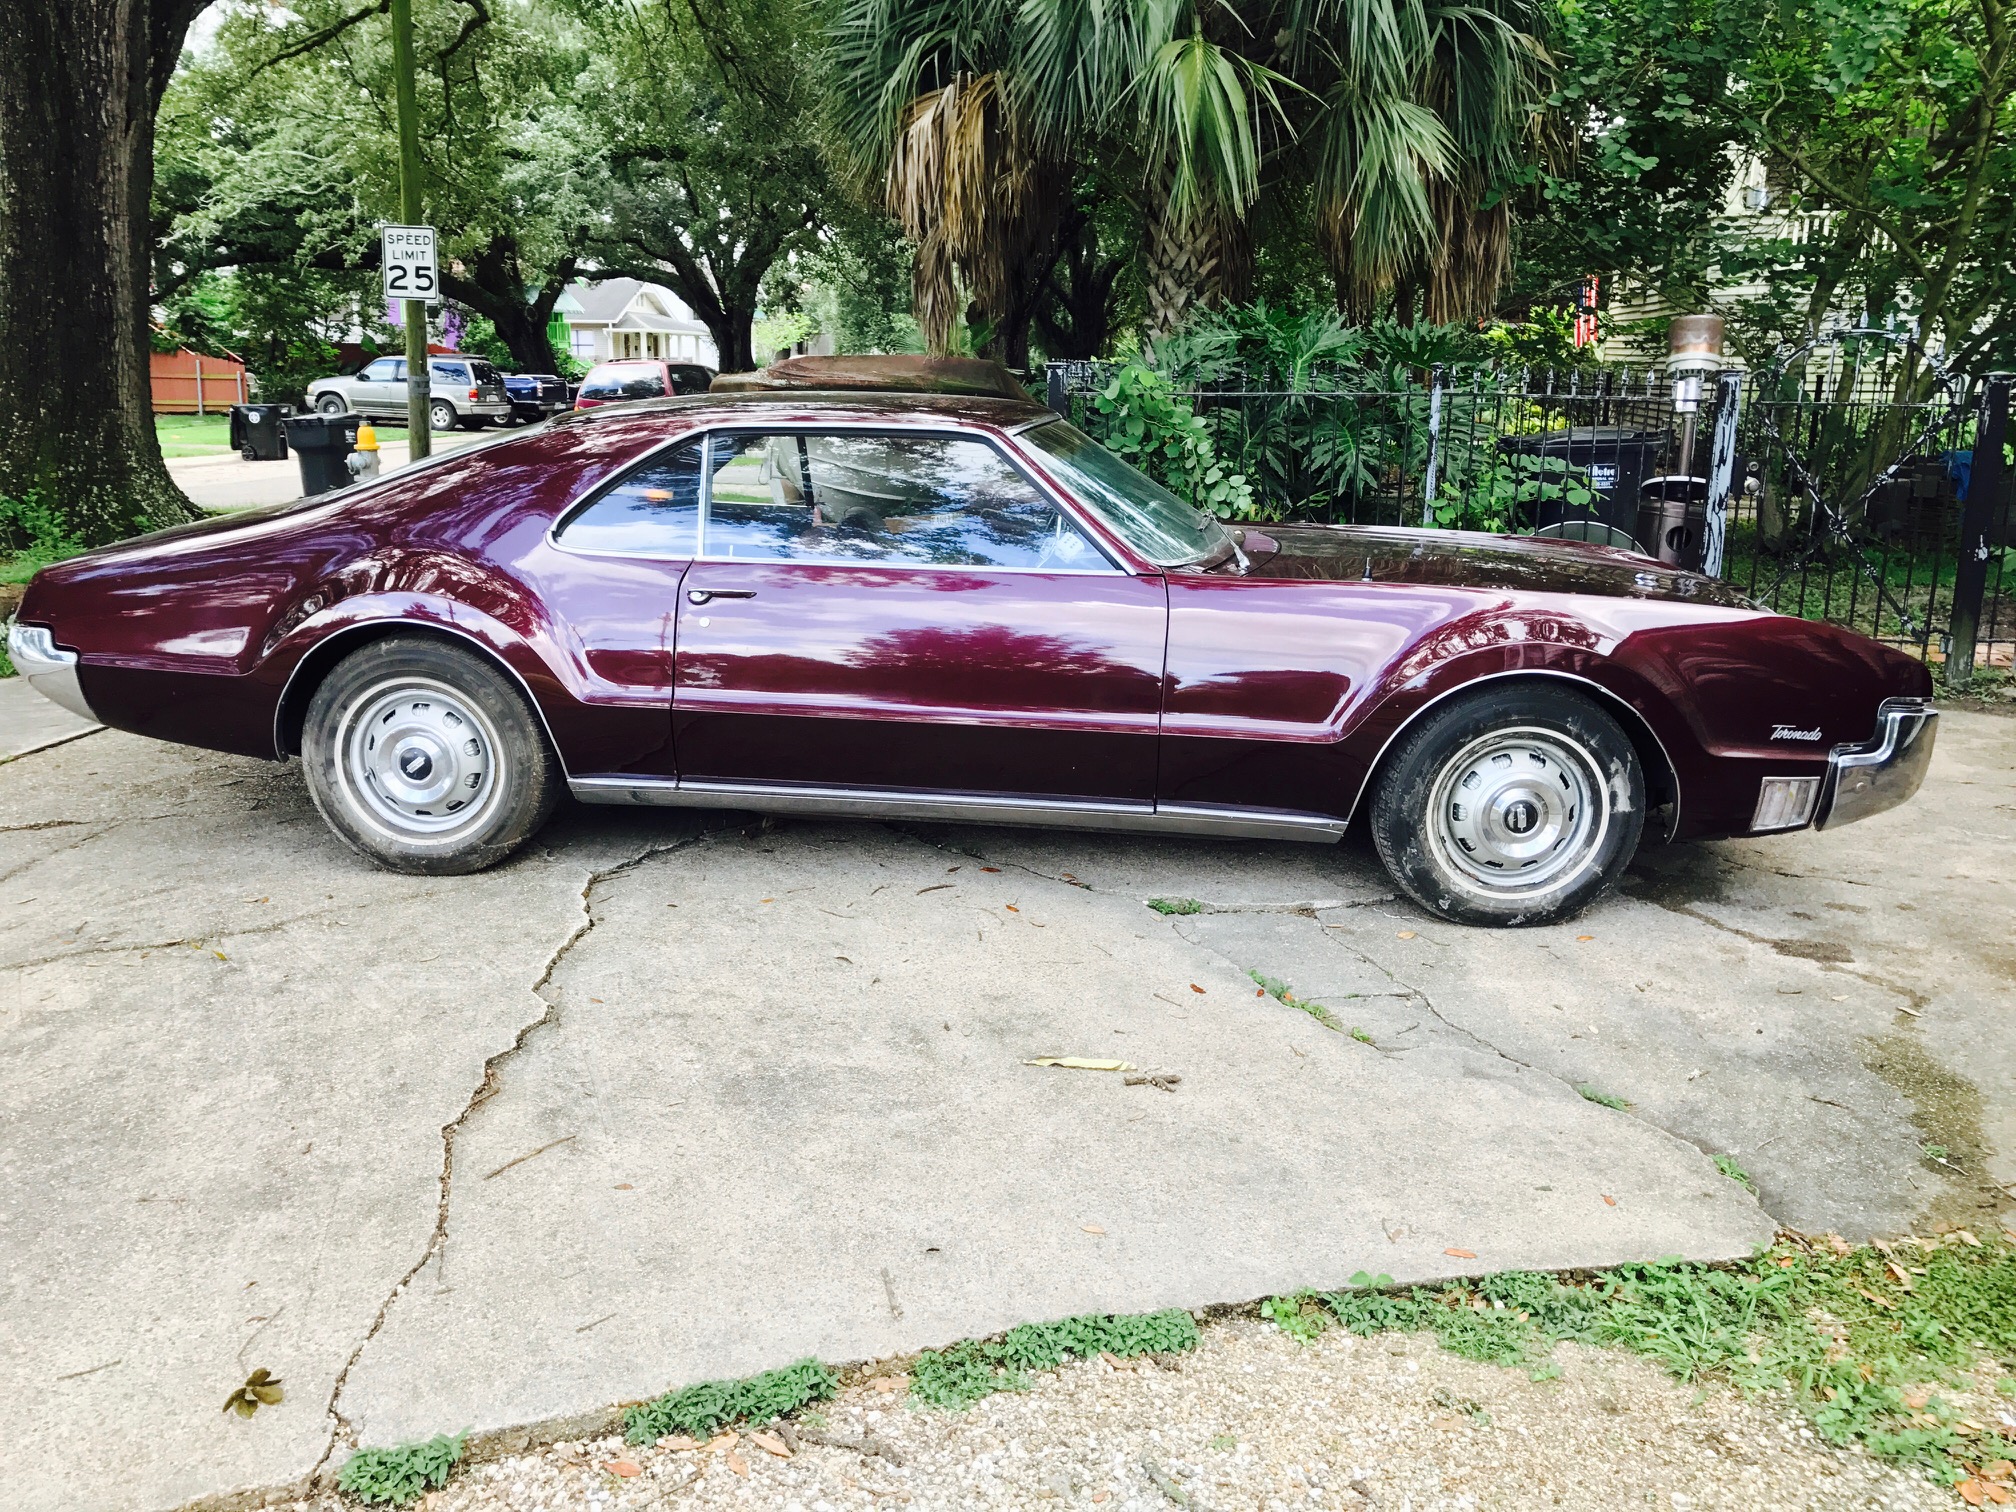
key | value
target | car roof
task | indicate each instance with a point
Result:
(802, 406)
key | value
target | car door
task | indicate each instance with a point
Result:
(909, 612)
(380, 388)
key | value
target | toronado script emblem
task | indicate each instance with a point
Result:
(1793, 732)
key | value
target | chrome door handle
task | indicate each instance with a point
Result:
(708, 595)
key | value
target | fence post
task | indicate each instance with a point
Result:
(1434, 445)
(199, 382)
(1721, 471)
(1984, 494)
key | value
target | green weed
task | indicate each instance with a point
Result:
(1360, 1035)
(31, 537)
(1602, 1097)
(1299, 1315)
(698, 1411)
(1176, 905)
(402, 1474)
(1727, 1165)
(961, 1375)
(1860, 1351)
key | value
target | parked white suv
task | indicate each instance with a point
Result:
(463, 391)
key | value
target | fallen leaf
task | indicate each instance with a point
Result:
(679, 1441)
(1916, 1399)
(624, 1468)
(1583, 939)
(1406, 934)
(766, 900)
(738, 1464)
(1966, 1238)
(1608, 1200)
(261, 1389)
(990, 868)
(1011, 908)
(1075, 1063)
(2000, 1470)
(1972, 1492)
(220, 955)
(1092, 1228)
(1838, 997)
(769, 1443)
(1998, 1495)
(1903, 1276)
(1195, 988)
(594, 1000)
(1461, 1254)
(1873, 1297)
(1101, 1496)
(940, 887)
(1259, 992)
(624, 1186)
(721, 1441)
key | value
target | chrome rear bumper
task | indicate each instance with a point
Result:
(1883, 771)
(48, 668)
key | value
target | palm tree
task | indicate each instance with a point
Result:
(1412, 116)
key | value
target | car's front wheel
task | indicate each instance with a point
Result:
(332, 404)
(1520, 804)
(426, 757)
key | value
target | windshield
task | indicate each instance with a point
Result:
(1141, 511)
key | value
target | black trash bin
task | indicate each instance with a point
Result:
(1613, 459)
(258, 432)
(323, 444)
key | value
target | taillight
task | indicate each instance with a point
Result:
(473, 394)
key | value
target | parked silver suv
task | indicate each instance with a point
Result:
(463, 391)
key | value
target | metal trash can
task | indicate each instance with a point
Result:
(323, 444)
(1671, 512)
(258, 431)
(1614, 459)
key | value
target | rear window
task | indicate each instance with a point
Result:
(484, 372)
(624, 382)
(689, 379)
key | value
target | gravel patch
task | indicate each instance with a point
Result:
(1250, 1420)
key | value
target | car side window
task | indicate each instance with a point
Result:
(851, 496)
(381, 371)
(448, 372)
(652, 510)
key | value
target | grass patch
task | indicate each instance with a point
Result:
(1592, 1095)
(1864, 1339)
(382, 1477)
(1727, 1165)
(193, 435)
(1176, 905)
(1360, 1035)
(1282, 993)
(961, 1375)
(699, 1411)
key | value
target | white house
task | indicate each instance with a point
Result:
(626, 317)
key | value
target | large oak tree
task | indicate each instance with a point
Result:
(80, 83)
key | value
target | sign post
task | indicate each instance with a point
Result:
(418, 256)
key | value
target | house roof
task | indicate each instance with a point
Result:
(603, 302)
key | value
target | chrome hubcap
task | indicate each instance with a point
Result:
(421, 760)
(1520, 811)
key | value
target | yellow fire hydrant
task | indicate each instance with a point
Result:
(363, 462)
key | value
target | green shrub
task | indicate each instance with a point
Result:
(700, 1410)
(402, 1474)
(961, 1375)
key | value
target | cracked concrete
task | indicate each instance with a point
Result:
(659, 1102)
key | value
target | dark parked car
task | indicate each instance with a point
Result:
(962, 608)
(535, 396)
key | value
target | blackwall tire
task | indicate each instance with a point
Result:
(441, 416)
(427, 758)
(331, 404)
(1514, 805)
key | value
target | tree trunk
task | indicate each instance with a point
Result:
(80, 81)
(1196, 263)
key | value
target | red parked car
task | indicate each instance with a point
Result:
(961, 608)
(630, 378)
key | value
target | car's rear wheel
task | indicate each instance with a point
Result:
(331, 404)
(441, 415)
(426, 757)
(1513, 805)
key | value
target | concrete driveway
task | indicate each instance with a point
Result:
(665, 1100)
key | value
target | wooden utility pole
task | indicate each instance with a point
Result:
(419, 387)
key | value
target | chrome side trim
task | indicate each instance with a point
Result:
(47, 667)
(1609, 699)
(1884, 770)
(419, 628)
(960, 808)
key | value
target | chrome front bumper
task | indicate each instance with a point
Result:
(1883, 771)
(47, 667)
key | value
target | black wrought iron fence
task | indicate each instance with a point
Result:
(1840, 486)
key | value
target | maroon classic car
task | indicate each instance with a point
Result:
(949, 607)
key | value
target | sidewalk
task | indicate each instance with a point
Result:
(230, 482)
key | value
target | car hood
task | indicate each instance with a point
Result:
(1472, 559)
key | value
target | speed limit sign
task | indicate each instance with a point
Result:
(410, 269)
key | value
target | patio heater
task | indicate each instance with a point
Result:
(1665, 504)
